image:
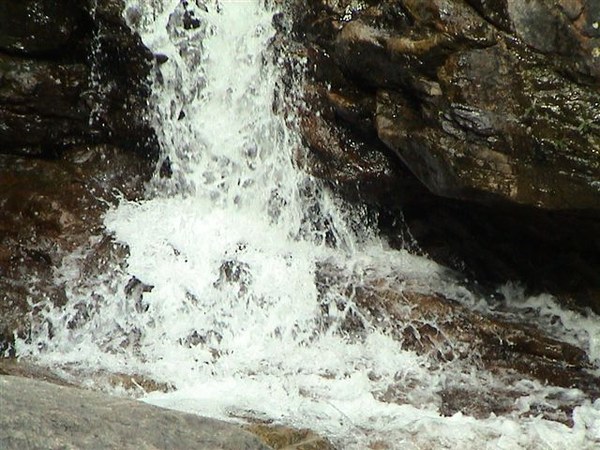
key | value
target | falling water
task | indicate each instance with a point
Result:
(225, 294)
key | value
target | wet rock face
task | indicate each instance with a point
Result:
(71, 74)
(488, 101)
(120, 66)
(43, 104)
(73, 132)
(525, 135)
(484, 117)
(37, 27)
(51, 210)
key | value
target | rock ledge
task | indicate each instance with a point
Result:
(39, 415)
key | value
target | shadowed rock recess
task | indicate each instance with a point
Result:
(479, 121)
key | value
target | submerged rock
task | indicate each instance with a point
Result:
(491, 357)
(447, 330)
(37, 414)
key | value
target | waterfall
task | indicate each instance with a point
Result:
(225, 294)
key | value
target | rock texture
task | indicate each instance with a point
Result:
(501, 341)
(73, 133)
(479, 120)
(21, 374)
(71, 74)
(285, 438)
(37, 415)
(52, 212)
(470, 127)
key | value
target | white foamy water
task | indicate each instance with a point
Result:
(230, 249)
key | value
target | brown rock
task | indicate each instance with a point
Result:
(43, 105)
(280, 437)
(35, 27)
(70, 75)
(73, 84)
(50, 209)
(449, 333)
(524, 135)
(489, 109)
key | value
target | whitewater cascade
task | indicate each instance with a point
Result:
(222, 294)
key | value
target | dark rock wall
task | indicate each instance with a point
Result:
(73, 129)
(70, 73)
(479, 121)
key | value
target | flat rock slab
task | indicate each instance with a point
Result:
(40, 415)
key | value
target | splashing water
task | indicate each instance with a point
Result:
(225, 298)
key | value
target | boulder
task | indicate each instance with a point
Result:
(273, 435)
(475, 125)
(526, 135)
(477, 113)
(36, 414)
